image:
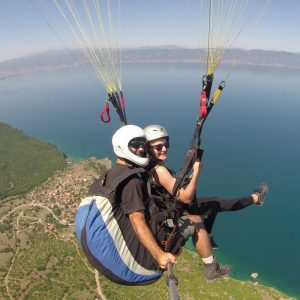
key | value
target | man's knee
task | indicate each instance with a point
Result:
(194, 218)
(189, 225)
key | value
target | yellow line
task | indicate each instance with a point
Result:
(96, 36)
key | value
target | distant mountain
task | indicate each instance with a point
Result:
(64, 58)
(47, 60)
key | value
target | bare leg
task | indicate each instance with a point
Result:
(202, 243)
(201, 238)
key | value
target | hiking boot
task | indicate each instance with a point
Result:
(261, 192)
(214, 245)
(213, 271)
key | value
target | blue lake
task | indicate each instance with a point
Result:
(251, 136)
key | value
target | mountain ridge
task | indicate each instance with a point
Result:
(67, 58)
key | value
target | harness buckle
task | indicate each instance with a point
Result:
(170, 223)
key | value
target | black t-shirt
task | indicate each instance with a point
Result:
(133, 196)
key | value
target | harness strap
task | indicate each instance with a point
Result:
(192, 155)
(122, 99)
(203, 104)
(205, 107)
(99, 185)
(123, 107)
(117, 180)
(105, 111)
(115, 101)
(174, 242)
(164, 215)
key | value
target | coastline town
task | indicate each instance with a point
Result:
(64, 191)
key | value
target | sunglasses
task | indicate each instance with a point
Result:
(159, 147)
(136, 144)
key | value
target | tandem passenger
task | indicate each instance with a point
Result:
(163, 181)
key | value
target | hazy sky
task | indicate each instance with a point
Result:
(145, 22)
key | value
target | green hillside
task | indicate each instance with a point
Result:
(41, 259)
(25, 162)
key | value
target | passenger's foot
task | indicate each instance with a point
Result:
(214, 245)
(261, 193)
(213, 271)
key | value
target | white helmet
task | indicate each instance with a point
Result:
(154, 132)
(121, 140)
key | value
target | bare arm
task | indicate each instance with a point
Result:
(165, 178)
(146, 238)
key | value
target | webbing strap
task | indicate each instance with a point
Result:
(122, 100)
(203, 105)
(119, 106)
(117, 180)
(105, 111)
(123, 107)
(99, 187)
(116, 102)
(192, 155)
